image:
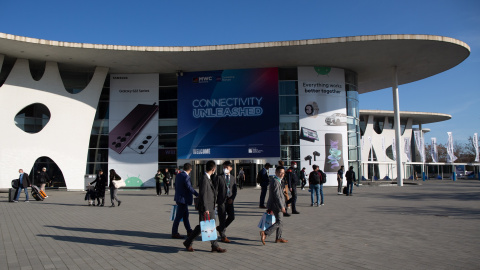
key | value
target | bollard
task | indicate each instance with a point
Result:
(454, 176)
(423, 176)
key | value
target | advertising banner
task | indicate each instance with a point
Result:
(323, 119)
(133, 126)
(394, 149)
(450, 151)
(433, 150)
(475, 145)
(419, 143)
(228, 114)
(407, 148)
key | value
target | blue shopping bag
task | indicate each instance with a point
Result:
(208, 229)
(173, 213)
(266, 221)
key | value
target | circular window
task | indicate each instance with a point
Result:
(33, 118)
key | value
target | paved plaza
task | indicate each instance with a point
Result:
(435, 225)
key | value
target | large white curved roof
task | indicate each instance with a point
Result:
(371, 57)
(417, 117)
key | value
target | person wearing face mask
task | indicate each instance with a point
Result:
(292, 180)
(227, 191)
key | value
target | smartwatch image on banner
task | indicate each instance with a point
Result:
(333, 151)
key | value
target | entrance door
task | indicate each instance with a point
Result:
(250, 173)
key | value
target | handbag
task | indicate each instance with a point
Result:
(173, 213)
(208, 229)
(15, 183)
(266, 221)
(118, 183)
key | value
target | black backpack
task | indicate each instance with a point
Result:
(323, 177)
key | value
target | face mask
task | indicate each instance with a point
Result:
(226, 171)
(294, 166)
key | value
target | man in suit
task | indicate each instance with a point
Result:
(292, 180)
(276, 204)
(227, 191)
(23, 183)
(264, 180)
(183, 198)
(206, 207)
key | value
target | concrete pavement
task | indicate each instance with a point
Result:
(435, 225)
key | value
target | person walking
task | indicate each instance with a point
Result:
(183, 197)
(292, 181)
(350, 175)
(264, 181)
(340, 180)
(101, 183)
(226, 193)
(314, 182)
(44, 178)
(158, 181)
(303, 178)
(23, 183)
(276, 204)
(241, 178)
(166, 181)
(113, 190)
(206, 207)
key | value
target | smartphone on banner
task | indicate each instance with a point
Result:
(126, 131)
(333, 152)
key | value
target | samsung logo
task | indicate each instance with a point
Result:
(120, 78)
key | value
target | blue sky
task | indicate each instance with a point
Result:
(187, 23)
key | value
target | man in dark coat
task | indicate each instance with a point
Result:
(23, 183)
(183, 197)
(227, 191)
(206, 206)
(101, 183)
(264, 181)
(292, 180)
(350, 175)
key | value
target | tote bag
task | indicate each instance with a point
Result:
(208, 229)
(119, 183)
(266, 221)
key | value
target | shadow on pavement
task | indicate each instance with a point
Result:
(115, 232)
(114, 243)
(454, 212)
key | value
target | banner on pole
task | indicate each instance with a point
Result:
(475, 144)
(407, 148)
(433, 150)
(394, 149)
(450, 151)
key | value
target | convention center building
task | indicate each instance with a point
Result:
(76, 108)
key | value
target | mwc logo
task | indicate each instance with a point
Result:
(204, 79)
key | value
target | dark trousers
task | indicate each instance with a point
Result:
(263, 194)
(240, 182)
(304, 182)
(293, 199)
(224, 210)
(196, 232)
(165, 186)
(349, 187)
(182, 212)
(159, 188)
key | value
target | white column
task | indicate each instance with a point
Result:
(396, 109)
(421, 150)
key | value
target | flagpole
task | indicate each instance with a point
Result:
(396, 109)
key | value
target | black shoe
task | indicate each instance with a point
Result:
(295, 212)
(113, 205)
(286, 215)
(119, 202)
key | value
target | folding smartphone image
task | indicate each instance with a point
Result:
(308, 134)
(143, 141)
(333, 150)
(126, 131)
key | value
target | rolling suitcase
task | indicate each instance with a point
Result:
(36, 193)
(12, 193)
(345, 190)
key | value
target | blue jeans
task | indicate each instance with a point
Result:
(182, 212)
(349, 187)
(20, 191)
(316, 188)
